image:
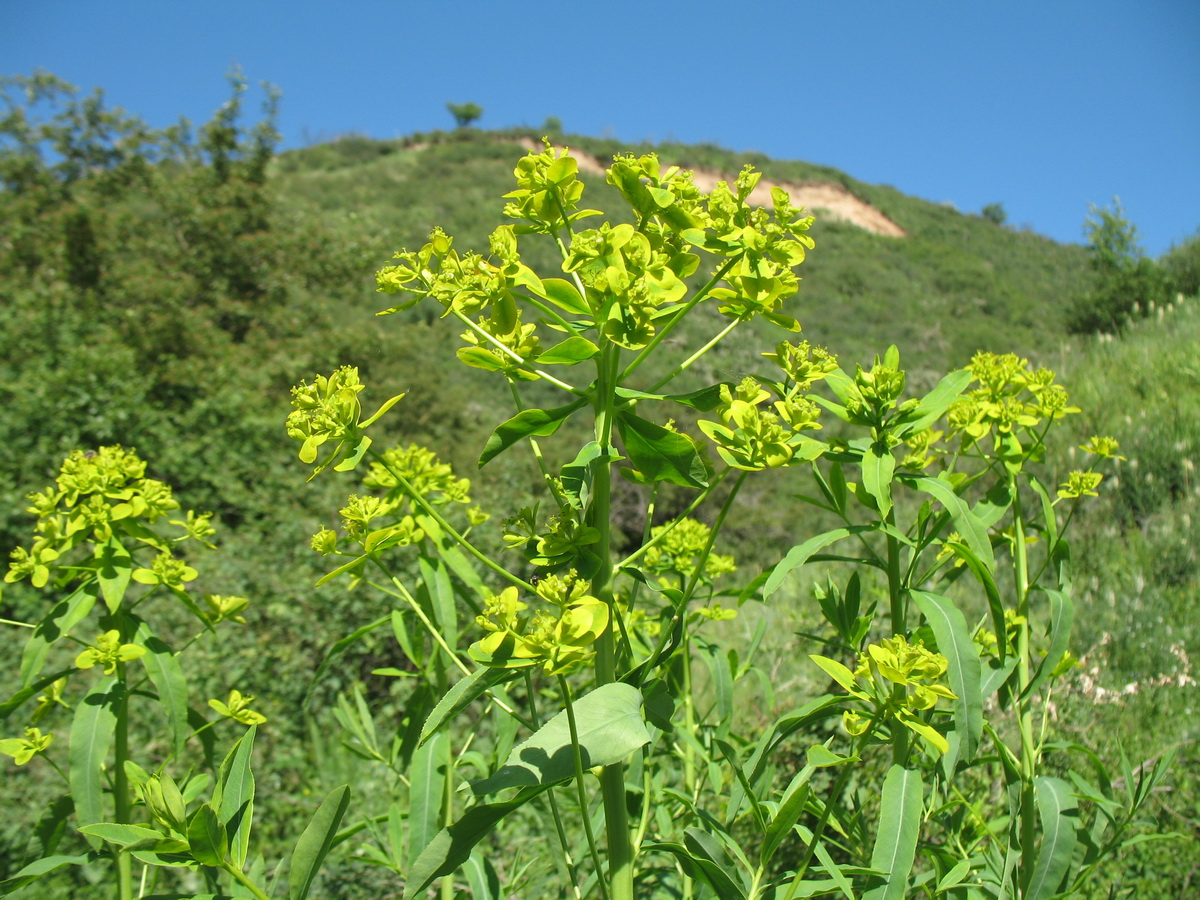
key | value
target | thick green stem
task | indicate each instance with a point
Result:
(1024, 676)
(123, 801)
(612, 779)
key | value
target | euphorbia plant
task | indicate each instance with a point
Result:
(107, 548)
(610, 634)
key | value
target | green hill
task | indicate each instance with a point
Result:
(167, 294)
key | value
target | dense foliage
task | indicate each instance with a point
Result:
(164, 289)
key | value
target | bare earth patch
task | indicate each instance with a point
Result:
(834, 199)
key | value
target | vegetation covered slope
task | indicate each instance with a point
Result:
(164, 291)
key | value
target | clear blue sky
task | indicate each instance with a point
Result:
(1044, 106)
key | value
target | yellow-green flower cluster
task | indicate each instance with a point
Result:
(1010, 396)
(237, 707)
(559, 637)
(22, 750)
(899, 681)
(675, 551)
(108, 651)
(97, 496)
(753, 437)
(1080, 484)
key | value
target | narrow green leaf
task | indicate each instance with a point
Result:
(92, 730)
(527, 423)
(435, 578)
(233, 797)
(166, 674)
(659, 454)
(207, 837)
(821, 757)
(314, 843)
(800, 554)
(21, 697)
(451, 847)
(878, 468)
(899, 825)
(337, 650)
(964, 671)
(570, 352)
(712, 861)
(722, 682)
(123, 835)
(966, 523)
(37, 869)
(1062, 618)
(427, 786)
(65, 615)
(795, 798)
(983, 574)
(465, 691)
(482, 878)
(1057, 811)
(609, 725)
(931, 407)
(837, 672)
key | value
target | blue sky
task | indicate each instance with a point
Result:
(1045, 106)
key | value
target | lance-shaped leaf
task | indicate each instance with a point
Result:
(569, 352)
(973, 531)
(964, 671)
(931, 407)
(451, 846)
(1057, 811)
(659, 454)
(562, 294)
(802, 553)
(92, 730)
(207, 838)
(38, 868)
(1062, 617)
(609, 724)
(314, 843)
(427, 786)
(57, 624)
(527, 423)
(166, 674)
(896, 841)
(463, 694)
(878, 468)
(233, 797)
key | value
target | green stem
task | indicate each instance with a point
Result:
(416, 607)
(1028, 814)
(555, 814)
(687, 363)
(583, 799)
(679, 317)
(243, 880)
(516, 357)
(612, 778)
(121, 794)
(449, 529)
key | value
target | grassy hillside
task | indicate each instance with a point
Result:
(171, 305)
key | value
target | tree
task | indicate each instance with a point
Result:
(1127, 282)
(994, 213)
(465, 113)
